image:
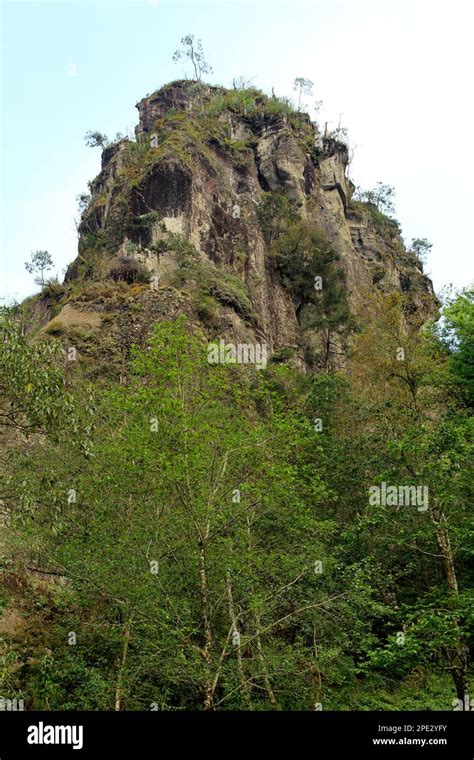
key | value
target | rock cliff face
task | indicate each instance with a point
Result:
(175, 220)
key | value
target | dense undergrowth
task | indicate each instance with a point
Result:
(200, 536)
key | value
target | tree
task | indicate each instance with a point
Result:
(317, 108)
(34, 397)
(420, 247)
(195, 53)
(41, 262)
(190, 542)
(96, 140)
(456, 332)
(403, 381)
(381, 196)
(309, 269)
(302, 87)
(83, 200)
(242, 83)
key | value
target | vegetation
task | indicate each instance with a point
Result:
(308, 267)
(202, 544)
(420, 248)
(381, 197)
(303, 87)
(40, 262)
(225, 287)
(96, 140)
(192, 50)
(193, 536)
(129, 270)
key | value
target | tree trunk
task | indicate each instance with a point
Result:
(458, 658)
(263, 665)
(206, 650)
(123, 660)
(233, 622)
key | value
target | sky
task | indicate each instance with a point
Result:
(396, 73)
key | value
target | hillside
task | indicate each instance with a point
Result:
(236, 442)
(215, 206)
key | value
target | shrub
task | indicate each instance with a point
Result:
(56, 328)
(276, 213)
(226, 288)
(301, 254)
(129, 270)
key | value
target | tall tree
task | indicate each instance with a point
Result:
(192, 49)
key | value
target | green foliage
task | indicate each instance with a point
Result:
(33, 385)
(282, 355)
(303, 87)
(193, 50)
(308, 267)
(456, 331)
(385, 225)
(91, 246)
(144, 223)
(420, 248)
(224, 287)
(180, 514)
(248, 101)
(276, 213)
(208, 504)
(40, 262)
(96, 140)
(381, 196)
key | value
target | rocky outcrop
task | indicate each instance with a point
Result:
(177, 96)
(197, 175)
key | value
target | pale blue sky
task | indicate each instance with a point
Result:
(399, 72)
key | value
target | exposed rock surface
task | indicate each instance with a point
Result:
(200, 170)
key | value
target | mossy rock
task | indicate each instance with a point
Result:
(226, 288)
(55, 328)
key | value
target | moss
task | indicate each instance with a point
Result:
(181, 135)
(111, 316)
(207, 310)
(82, 336)
(55, 329)
(384, 224)
(226, 288)
(240, 257)
(99, 292)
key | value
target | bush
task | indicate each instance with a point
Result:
(226, 288)
(301, 254)
(276, 213)
(130, 271)
(56, 328)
